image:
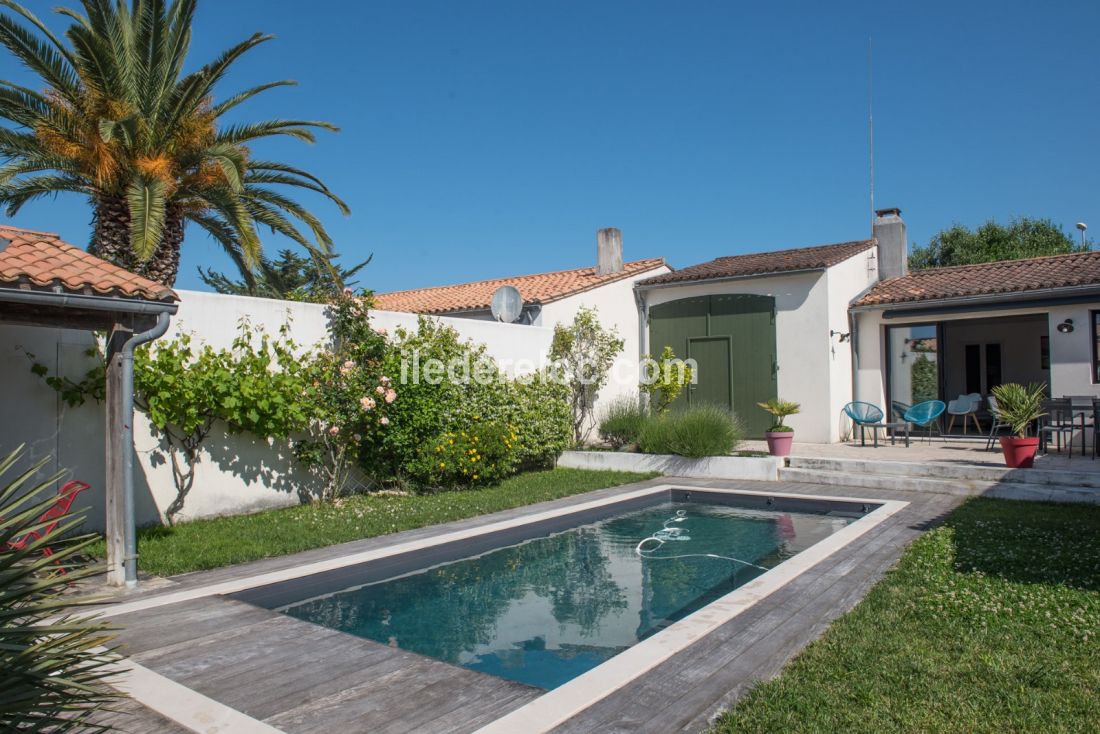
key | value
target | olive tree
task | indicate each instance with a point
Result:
(582, 353)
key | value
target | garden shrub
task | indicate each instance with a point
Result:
(665, 379)
(483, 453)
(622, 422)
(704, 430)
(535, 407)
(350, 395)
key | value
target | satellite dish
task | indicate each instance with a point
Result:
(507, 304)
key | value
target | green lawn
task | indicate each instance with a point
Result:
(205, 544)
(988, 624)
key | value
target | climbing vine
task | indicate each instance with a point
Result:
(256, 386)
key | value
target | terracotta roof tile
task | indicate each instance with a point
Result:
(765, 263)
(987, 279)
(42, 259)
(540, 288)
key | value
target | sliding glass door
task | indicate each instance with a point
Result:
(913, 366)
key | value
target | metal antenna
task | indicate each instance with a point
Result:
(871, 128)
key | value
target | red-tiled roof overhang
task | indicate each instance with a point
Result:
(539, 289)
(764, 263)
(42, 260)
(1005, 277)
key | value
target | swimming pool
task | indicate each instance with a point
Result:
(546, 608)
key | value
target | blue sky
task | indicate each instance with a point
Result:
(483, 139)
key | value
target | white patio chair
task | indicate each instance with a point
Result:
(966, 406)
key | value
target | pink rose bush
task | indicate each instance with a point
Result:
(344, 378)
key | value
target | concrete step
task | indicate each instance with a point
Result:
(882, 481)
(951, 472)
(1015, 490)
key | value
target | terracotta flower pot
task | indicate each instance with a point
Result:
(779, 442)
(1019, 452)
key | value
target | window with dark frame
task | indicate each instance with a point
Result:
(1094, 317)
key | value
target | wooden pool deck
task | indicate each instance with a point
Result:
(300, 678)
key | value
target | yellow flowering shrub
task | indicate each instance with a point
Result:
(484, 452)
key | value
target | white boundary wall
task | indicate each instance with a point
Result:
(236, 473)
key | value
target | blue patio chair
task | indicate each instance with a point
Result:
(926, 415)
(865, 415)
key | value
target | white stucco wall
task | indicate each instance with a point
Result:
(617, 309)
(236, 473)
(846, 281)
(1071, 354)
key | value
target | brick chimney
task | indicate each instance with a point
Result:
(609, 251)
(892, 243)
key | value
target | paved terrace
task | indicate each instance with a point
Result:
(952, 451)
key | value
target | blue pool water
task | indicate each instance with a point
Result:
(549, 609)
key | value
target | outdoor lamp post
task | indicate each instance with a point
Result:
(1082, 226)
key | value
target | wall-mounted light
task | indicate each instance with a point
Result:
(1066, 327)
(844, 335)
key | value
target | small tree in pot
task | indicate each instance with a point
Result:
(780, 436)
(1020, 406)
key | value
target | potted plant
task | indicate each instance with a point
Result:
(780, 436)
(1019, 407)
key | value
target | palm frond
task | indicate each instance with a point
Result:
(225, 235)
(196, 87)
(228, 205)
(21, 105)
(15, 194)
(54, 666)
(255, 176)
(148, 205)
(298, 129)
(240, 97)
(259, 193)
(52, 62)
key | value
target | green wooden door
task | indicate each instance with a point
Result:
(750, 322)
(740, 326)
(672, 324)
(712, 358)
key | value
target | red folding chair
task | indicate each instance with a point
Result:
(51, 517)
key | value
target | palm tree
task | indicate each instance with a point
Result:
(289, 277)
(119, 122)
